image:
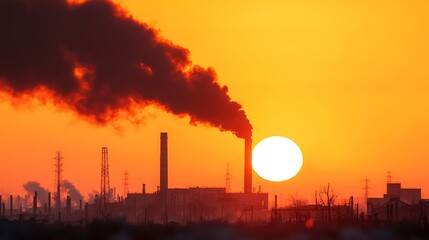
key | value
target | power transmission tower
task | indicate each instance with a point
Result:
(58, 179)
(126, 183)
(105, 184)
(227, 179)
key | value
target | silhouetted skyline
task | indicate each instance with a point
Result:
(345, 81)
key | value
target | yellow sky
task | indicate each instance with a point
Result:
(347, 81)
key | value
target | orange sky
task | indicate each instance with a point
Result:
(346, 81)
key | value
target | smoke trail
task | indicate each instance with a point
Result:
(99, 62)
(72, 191)
(42, 193)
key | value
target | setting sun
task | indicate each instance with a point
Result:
(277, 159)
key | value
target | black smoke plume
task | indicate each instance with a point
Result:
(42, 193)
(72, 191)
(96, 60)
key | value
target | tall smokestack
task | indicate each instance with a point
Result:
(163, 184)
(248, 165)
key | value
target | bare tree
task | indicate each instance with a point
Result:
(296, 201)
(327, 198)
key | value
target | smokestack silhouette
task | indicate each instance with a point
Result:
(96, 60)
(248, 165)
(68, 206)
(33, 186)
(72, 191)
(49, 203)
(35, 203)
(11, 204)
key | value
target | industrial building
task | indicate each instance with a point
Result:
(395, 191)
(398, 204)
(189, 205)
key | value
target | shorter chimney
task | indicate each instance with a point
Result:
(35, 203)
(275, 201)
(49, 203)
(68, 203)
(11, 204)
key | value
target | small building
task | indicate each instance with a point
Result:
(397, 204)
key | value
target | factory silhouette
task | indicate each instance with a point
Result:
(208, 204)
(180, 205)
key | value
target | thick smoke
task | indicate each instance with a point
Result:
(94, 59)
(42, 193)
(72, 191)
